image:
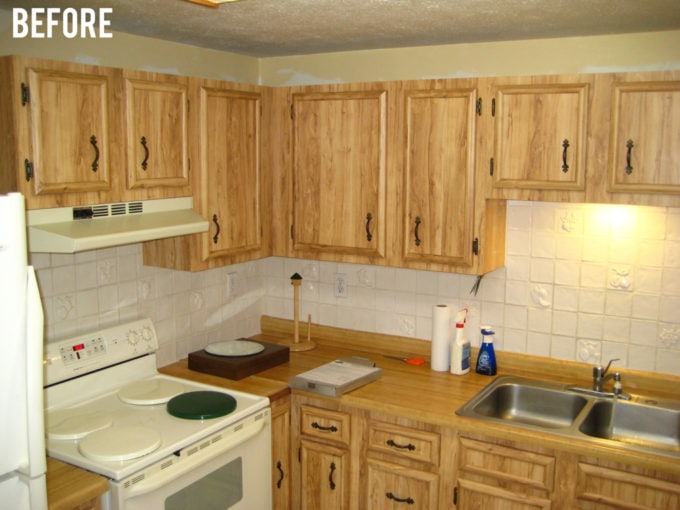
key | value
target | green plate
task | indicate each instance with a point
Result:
(201, 405)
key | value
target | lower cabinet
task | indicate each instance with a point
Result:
(602, 485)
(359, 459)
(281, 486)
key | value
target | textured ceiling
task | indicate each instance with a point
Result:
(266, 28)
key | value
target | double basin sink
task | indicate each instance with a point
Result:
(637, 424)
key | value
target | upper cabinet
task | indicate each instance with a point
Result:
(439, 175)
(57, 119)
(339, 171)
(157, 138)
(645, 137)
(539, 135)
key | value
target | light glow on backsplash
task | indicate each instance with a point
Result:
(581, 282)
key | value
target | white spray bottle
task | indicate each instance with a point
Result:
(460, 347)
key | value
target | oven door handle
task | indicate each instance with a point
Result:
(185, 465)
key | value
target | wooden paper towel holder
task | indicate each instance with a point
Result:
(295, 344)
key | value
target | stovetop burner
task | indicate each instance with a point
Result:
(68, 424)
(119, 443)
(150, 392)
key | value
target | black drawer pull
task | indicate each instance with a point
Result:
(95, 163)
(409, 446)
(565, 146)
(280, 480)
(415, 232)
(332, 428)
(331, 483)
(217, 234)
(369, 235)
(408, 501)
(145, 162)
(629, 146)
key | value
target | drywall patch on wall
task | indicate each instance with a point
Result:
(87, 59)
(292, 78)
(162, 70)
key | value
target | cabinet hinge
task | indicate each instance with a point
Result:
(28, 168)
(299, 454)
(455, 495)
(291, 233)
(478, 107)
(292, 111)
(25, 94)
(491, 167)
(475, 246)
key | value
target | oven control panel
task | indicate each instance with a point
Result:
(87, 352)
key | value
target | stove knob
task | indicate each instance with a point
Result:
(133, 337)
(147, 334)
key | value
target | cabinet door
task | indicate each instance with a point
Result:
(540, 136)
(392, 487)
(281, 454)
(339, 172)
(229, 134)
(156, 126)
(645, 139)
(325, 475)
(439, 177)
(471, 495)
(69, 131)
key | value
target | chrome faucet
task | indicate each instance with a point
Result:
(600, 375)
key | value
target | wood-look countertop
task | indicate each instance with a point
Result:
(418, 393)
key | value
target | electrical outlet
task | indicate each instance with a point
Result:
(340, 287)
(231, 284)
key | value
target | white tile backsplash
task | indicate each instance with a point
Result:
(560, 294)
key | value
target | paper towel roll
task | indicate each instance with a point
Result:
(441, 338)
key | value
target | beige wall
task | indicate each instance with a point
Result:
(133, 52)
(643, 51)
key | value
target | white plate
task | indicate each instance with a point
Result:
(234, 348)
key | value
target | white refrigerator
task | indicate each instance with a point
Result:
(22, 436)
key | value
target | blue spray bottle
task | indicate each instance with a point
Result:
(486, 360)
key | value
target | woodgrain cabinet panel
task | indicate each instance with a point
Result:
(540, 136)
(230, 163)
(476, 496)
(325, 424)
(157, 130)
(392, 487)
(600, 487)
(645, 137)
(404, 442)
(439, 177)
(325, 476)
(339, 165)
(69, 130)
(281, 468)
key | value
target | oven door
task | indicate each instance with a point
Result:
(231, 473)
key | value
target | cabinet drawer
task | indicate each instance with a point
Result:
(325, 424)
(392, 487)
(404, 442)
(528, 468)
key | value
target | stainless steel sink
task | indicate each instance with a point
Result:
(638, 424)
(531, 404)
(633, 423)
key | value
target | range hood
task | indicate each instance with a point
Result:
(80, 228)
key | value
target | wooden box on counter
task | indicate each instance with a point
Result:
(238, 367)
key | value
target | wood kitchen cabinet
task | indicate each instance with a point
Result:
(339, 171)
(226, 181)
(611, 485)
(323, 437)
(493, 475)
(157, 135)
(59, 120)
(281, 467)
(439, 176)
(539, 137)
(645, 137)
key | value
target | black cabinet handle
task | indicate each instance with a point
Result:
(369, 218)
(408, 501)
(95, 163)
(280, 480)
(331, 483)
(629, 146)
(146, 153)
(409, 446)
(565, 146)
(217, 234)
(418, 222)
(332, 428)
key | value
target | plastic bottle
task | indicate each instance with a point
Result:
(460, 351)
(486, 361)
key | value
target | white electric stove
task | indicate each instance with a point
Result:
(162, 441)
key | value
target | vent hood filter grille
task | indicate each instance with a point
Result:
(74, 229)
